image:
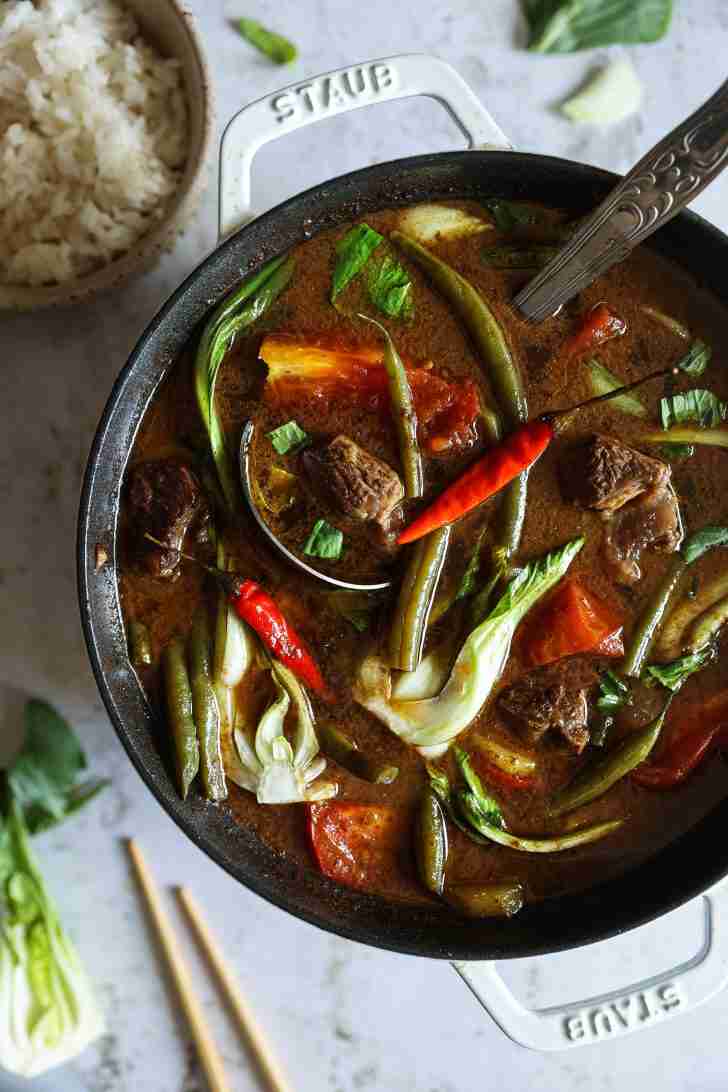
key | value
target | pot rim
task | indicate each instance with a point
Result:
(421, 936)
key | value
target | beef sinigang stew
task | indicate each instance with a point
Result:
(536, 699)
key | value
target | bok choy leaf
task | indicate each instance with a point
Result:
(48, 1012)
(564, 26)
(241, 309)
(431, 724)
(277, 770)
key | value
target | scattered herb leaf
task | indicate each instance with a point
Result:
(695, 405)
(675, 673)
(288, 437)
(613, 693)
(564, 26)
(476, 796)
(324, 541)
(511, 214)
(273, 45)
(390, 289)
(696, 359)
(352, 254)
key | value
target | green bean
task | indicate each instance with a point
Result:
(481, 324)
(179, 710)
(416, 596)
(345, 751)
(495, 900)
(517, 257)
(651, 621)
(403, 412)
(504, 374)
(431, 843)
(140, 644)
(597, 778)
(667, 321)
(687, 616)
(205, 711)
(557, 844)
(705, 628)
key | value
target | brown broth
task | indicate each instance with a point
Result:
(172, 423)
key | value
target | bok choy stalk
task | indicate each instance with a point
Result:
(277, 771)
(48, 1012)
(431, 724)
(237, 311)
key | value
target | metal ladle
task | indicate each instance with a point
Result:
(246, 440)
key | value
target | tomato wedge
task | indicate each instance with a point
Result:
(598, 325)
(572, 620)
(689, 743)
(356, 844)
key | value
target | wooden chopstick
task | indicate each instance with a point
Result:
(244, 1017)
(208, 1053)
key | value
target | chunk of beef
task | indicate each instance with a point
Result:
(358, 483)
(552, 699)
(650, 523)
(604, 473)
(165, 501)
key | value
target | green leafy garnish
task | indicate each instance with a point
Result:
(239, 310)
(324, 541)
(696, 359)
(613, 693)
(43, 776)
(695, 405)
(672, 675)
(511, 214)
(603, 381)
(564, 26)
(352, 254)
(469, 582)
(273, 45)
(390, 289)
(677, 453)
(288, 437)
(699, 542)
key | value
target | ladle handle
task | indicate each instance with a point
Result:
(338, 92)
(664, 181)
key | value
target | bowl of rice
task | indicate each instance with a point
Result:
(105, 127)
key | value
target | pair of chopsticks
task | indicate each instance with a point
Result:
(209, 1055)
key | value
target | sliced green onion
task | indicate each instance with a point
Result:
(602, 381)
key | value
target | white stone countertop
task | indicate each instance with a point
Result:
(342, 1017)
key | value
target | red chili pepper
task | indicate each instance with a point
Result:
(483, 479)
(599, 325)
(253, 604)
(682, 757)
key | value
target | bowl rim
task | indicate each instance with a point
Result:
(147, 248)
(364, 918)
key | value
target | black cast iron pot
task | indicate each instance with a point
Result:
(689, 865)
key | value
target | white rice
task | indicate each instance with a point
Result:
(93, 137)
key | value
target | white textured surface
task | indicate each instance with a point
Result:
(342, 1017)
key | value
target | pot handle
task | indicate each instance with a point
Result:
(620, 1012)
(337, 92)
